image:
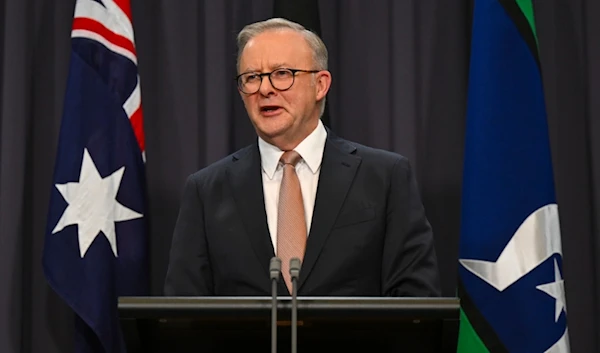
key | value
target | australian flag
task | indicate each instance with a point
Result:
(96, 244)
(510, 277)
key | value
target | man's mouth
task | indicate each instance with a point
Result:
(270, 110)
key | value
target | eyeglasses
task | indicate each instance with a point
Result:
(281, 79)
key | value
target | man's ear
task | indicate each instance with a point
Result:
(322, 84)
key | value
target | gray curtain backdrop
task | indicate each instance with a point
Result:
(399, 82)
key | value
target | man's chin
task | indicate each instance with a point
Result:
(273, 128)
(270, 134)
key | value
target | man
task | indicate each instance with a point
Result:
(351, 213)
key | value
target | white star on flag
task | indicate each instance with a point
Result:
(93, 205)
(556, 290)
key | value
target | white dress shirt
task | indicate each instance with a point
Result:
(311, 151)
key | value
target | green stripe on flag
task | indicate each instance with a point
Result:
(468, 340)
(527, 9)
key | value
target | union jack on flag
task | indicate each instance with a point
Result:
(96, 243)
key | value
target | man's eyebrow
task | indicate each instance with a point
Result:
(271, 67)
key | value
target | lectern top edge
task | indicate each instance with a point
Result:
(309, 300)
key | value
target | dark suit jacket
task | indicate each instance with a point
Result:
(369, 234)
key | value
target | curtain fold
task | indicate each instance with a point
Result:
(15, 91)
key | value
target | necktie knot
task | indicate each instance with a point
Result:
(290, 157)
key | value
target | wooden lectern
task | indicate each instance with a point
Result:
(325, 324)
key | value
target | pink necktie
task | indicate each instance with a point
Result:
(291, 223)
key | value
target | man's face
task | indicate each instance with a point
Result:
(283, 118)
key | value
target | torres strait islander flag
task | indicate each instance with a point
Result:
(510, 275)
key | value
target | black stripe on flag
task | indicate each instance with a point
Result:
(514, 12)
(480, 325)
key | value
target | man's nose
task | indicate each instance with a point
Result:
(266, 88)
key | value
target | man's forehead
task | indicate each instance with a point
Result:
(273, 49)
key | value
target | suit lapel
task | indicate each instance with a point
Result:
(338, 169)
(246, 182)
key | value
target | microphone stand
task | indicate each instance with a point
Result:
(274, 270)
(294, 274)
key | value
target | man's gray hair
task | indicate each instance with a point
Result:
(315, 43)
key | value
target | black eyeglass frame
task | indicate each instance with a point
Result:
(261, 75)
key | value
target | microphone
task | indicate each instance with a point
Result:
(274, 270)
(295, 264)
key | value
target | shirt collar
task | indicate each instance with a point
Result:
(310, 149)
